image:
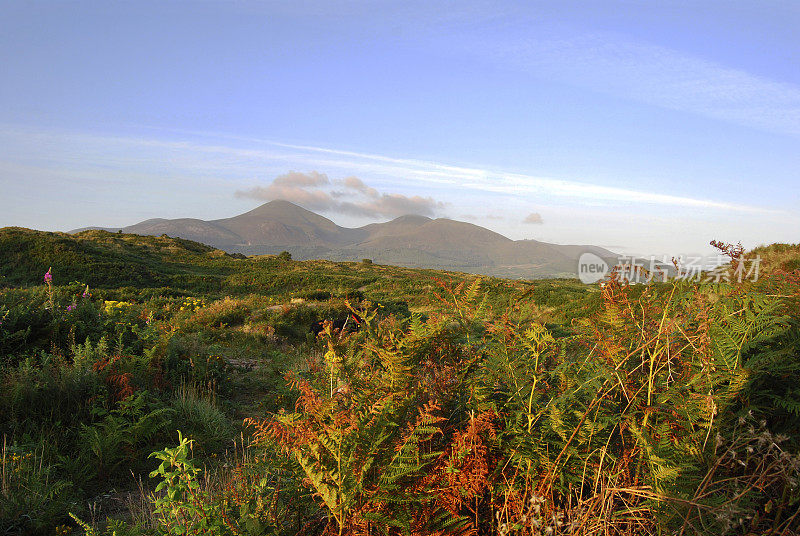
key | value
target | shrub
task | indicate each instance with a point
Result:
(223, 313)
(47, 395)
(191, 500)
(189, 357)
(316, 295)
(196, 413)
(32, 498)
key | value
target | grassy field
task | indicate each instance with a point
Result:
(153, 385)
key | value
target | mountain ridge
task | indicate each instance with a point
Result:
(411, 240)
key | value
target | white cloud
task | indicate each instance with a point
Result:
(354, 183)
(309, 190)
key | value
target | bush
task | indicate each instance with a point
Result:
(196, 413)
(47, 396)
(223, 313)
(32, 498)
(316, 295)
(188, 357)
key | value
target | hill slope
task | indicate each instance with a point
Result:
(147, 265)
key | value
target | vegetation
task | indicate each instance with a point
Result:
(157, 386)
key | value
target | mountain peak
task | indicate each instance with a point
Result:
(278, 207)
(409, 240)
(411, 218)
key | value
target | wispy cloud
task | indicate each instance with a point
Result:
(247, 157)
(648, 73)
(484, 217)
(499, 181)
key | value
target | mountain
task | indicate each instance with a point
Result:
(412, 241)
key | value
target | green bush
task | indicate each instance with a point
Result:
(197, 414)
(316, 295)
(121, 433)
(47, 396)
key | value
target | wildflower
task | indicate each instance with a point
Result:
(70, 308)
(48, 278)
(86, 293)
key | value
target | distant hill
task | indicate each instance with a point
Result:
(410, 241)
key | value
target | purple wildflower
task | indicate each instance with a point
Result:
(48, 277)
(70, 308)
(86, 293)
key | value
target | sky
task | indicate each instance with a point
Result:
(643, 127)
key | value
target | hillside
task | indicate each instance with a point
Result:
(269, 384)
(411, 241)
(156, 264)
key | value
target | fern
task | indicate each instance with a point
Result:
(634, 400)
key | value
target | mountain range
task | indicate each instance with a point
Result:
(411, 241)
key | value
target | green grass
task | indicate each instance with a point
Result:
(175, 335)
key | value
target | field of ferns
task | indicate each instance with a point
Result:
(196, 393)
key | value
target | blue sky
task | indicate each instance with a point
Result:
(645, 127)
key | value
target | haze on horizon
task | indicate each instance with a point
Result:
(639, 128)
